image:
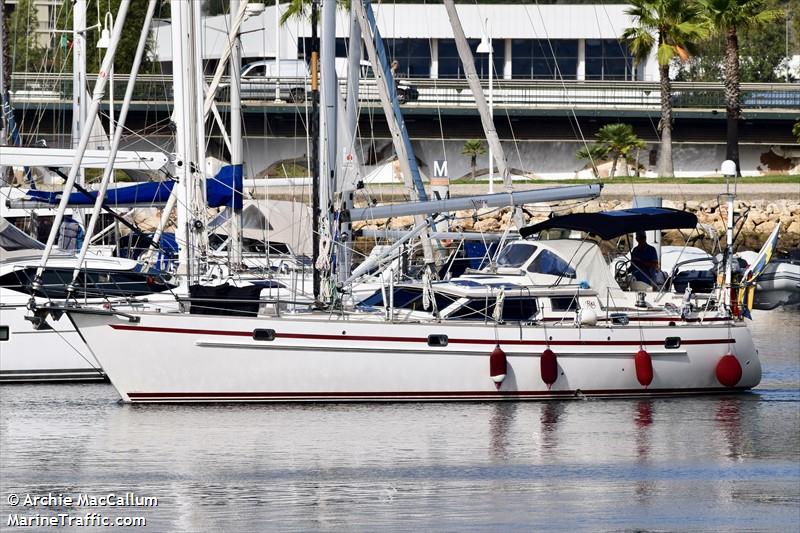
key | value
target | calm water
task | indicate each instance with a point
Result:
(719, 463)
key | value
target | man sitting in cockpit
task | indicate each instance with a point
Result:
(644, 259)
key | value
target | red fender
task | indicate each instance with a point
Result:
(498, 365)
(644, 368)
(548, 365)
(729, 370)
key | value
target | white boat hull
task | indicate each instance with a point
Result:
(54, 354)
(184, 358)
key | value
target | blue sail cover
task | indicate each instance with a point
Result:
(224, 189)
(145, 194)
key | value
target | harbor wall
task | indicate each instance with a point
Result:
(535, 158)
(761, 218)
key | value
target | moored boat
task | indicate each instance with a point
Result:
(469, 351)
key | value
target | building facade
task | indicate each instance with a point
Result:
(529, 41)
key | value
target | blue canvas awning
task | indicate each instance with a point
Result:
(145, 194)
(611, 224)
(224, 189)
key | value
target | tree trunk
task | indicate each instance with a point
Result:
(665, 167)
(473, 162)
(614, 166)
(732, 95)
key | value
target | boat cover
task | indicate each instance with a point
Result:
(611, 224)
(224, 189)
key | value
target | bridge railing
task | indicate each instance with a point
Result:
(35, 88)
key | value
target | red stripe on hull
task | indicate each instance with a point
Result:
(311, 336)
(414, 396)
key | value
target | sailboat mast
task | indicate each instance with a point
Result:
(345, 254)
(79, 103)
(330, 95)
(314, 134)
(2, 69)
(477, 92)
(3, 127)
(391, 107)
(182, 81)
(235, 227)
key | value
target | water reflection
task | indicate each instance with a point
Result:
(503, 414)
(728, 417)
(677, 464)
(551, 413)
(643, 420)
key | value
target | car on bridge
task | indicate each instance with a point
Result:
(291, 78)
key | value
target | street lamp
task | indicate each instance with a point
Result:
(485, 47)
(728, 169)
(103, 43)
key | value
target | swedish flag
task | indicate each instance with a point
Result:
(747, 288)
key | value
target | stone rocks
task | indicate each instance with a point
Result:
(762, 216)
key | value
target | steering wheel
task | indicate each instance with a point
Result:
(622, 270)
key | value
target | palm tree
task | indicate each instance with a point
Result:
(727, 17)
(594, 153)
(672, 26)
(619, 141)
(796, 131)
(473, 148)
(300, 9)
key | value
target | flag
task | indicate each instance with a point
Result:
(747, 288)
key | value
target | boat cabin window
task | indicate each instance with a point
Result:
(250, 245)
(563, 304)
(514, 309)
(549, 263)
(515, 255)
(409, 298)
(474, 309)
(519, 309)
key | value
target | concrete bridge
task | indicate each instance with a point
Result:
(543, 122)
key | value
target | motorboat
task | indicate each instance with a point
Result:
(777, 285)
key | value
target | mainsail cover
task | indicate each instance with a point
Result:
(224, 189)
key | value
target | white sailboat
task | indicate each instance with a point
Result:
(469, 338)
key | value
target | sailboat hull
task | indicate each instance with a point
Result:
(184, 358)
(53, 353)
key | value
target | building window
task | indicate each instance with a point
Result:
(608, 59)
(450, 63)
(543, 59)
(413, 56)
